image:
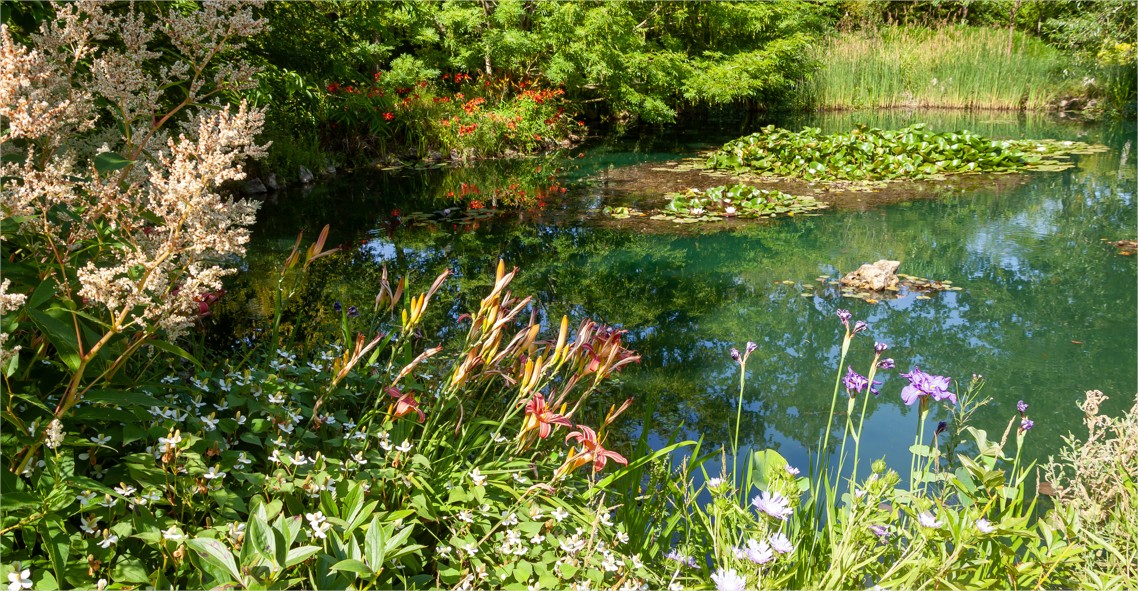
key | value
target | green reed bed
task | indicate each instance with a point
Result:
(871, 154)
(957, 67)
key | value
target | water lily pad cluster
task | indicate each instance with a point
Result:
(872, 154)
(731, 201)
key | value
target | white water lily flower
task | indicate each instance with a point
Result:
(20, 580)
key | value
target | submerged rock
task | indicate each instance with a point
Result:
(879, 276)
(305, 175)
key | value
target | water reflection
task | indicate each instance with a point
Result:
(1047, 312)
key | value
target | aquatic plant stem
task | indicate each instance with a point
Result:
(914, 463)
(825, 439)
(864, 404)
(738, 421)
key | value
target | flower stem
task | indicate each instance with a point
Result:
(738, 420)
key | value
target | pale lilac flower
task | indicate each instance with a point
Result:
(759, 552)
(844, 316)
(715, 483)
(681, 558)
(792, 470)
(927, 519)
(726, 579)
(773, 504)
(984, 526)
(859, 326)
(879, 347)
(881, 531)
(886, 363)
(1026, 425)
(1021, 406)
(781, 544)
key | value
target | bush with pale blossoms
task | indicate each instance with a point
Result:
(117, 139)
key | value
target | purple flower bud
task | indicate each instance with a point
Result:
(751, 346)
(1021, 406)
(859, 326)
(1026, 425)
(353, 311)
(941, 427)
(886, 363)
(844, 316)
(735, 354)
(337, 307)
(880, 348)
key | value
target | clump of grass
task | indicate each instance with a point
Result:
(953, 67)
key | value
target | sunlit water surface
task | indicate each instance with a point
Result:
(1047, 310)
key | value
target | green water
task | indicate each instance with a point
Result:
(1047, 310)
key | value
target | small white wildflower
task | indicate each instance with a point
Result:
(108, 541)
(101, 439)
(213, 473)
(560, 514)
(929, 520)
(537, 539)
(89, 524)
(276, 398)
(781, 544)
(476, 477)
(984, 526)
(85, 498)
(172, 534)
(622, 537)
(606, 520)
(404, 447)
(726, 579)
(210, 423)
(20, 580)
(715, 483)
(466, 516)
(125, 489)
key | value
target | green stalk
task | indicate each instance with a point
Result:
(825, 439)
(861, 420)
(738, 420)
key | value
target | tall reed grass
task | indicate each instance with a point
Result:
(955, 67)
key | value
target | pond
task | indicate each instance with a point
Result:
(1047, 309)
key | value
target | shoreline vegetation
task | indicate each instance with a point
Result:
(427, 442)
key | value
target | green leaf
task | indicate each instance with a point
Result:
(107, 162)
(215, 552)
(57, 544)
(122, 398)
(176, 350)
(60, 334)
(352, 565)
(300, 554)
(374, 544)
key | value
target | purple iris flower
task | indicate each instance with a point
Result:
(1026, 425)
(337, 307)
(922, 384)
(886, 363)
(844, 316)
(856, 383)
(941, 427)
(751, 346)
(353, 311)
(735, 354)
(859, 326)
(880, 348)
(1021, 406)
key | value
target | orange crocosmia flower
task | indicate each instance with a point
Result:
(591, 451)
(405, 403)
(540, 417)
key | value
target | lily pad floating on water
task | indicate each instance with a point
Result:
(734, 201)
(871, 154)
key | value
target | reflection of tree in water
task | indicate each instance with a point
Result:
(1035, 274)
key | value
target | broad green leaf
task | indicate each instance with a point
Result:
(215, 551)
(107, 162)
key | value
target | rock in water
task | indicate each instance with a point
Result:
(879, 276)
(271, 181)
(254, 186)
(305, 175)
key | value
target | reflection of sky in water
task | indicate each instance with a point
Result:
(1047, 311)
